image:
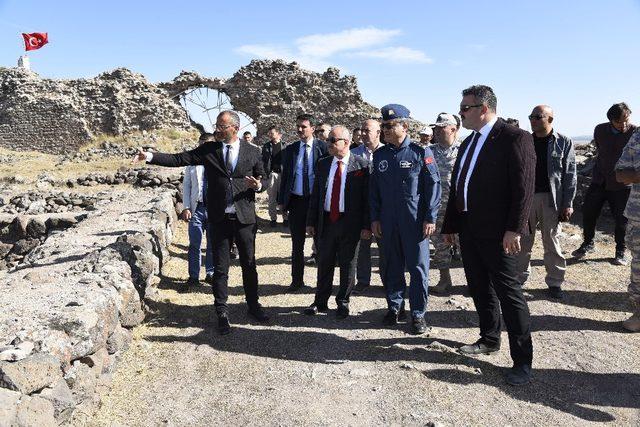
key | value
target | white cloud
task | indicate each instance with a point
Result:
(315, 51)
(398, 54)
(325, 45)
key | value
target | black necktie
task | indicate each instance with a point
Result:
(229, 166)
(305, 171)
(463, 173)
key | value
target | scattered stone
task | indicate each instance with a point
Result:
(30, 374)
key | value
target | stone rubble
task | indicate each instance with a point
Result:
(65, 319)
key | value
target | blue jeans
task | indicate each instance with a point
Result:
(197, 228)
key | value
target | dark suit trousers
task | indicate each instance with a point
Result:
(298, 207)
(221, 235)
(336, 244)
(492, 280)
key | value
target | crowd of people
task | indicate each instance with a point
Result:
(481, 200)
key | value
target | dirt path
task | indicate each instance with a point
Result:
(323, 371)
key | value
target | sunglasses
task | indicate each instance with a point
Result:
(389, 125)
(464, 108)
(537, 116)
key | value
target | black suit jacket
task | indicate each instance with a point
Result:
(356, 195)
(272, 157)
(501, 186)
(210, 155)
(289, 156)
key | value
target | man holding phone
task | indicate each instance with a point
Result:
(555, 189)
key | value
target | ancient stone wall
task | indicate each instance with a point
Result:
(58, 116)
(67, 308)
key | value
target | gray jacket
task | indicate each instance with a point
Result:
(561, 166)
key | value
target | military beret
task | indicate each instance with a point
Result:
(394, 111)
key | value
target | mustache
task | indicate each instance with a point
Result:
(462, 116)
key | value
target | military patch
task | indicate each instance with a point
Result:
(428, 160)
(383, 165)
(405, 164)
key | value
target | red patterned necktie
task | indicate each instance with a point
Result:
(334, 212)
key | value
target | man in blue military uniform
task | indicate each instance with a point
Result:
(404, 198)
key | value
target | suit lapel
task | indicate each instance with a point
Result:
(488, 143)
(243, 159)
(351, 167)
(218, 153)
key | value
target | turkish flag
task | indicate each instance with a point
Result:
(33, 41)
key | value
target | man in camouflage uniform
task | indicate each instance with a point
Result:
(628, 172)
(445, 151)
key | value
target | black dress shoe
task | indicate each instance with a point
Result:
(224, 327)
(209, 279)
(314, 309)
(360, 287)
(257, 313)
(391, 318)
(295, 287)
(188, 285)
(418, 326)
(555, 292)
(273, 223)
(519, 375)
(402, 315)
(285, 223)
(342, 312)
(479, 347)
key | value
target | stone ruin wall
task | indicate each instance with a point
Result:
(59, 116)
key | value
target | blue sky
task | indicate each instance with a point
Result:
(577, 56)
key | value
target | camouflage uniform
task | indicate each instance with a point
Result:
(445, 158)
(630, 160)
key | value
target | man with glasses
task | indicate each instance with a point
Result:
(405, 197)
(610, 139)
(322, 131)
(555, 189)
(234, 171)
(445, 151)
(489, 204)
(370, 137)
(339, 217)
(299, 160)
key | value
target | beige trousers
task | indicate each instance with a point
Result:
(273, 187)
(544, 215)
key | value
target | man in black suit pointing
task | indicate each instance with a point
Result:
(233, 172)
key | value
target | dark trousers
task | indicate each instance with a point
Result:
(363, 274)
(493, 283)
(243, 234)
(336, 244)
(298, 207)
(593, 203)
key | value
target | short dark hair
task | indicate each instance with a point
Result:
(618, 110)
(483, 94)
(307, 117)
(273, 127)
(207, 137)
(356, 130)
(245, 133)
(512, 122)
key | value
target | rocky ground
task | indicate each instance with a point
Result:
(323, 371)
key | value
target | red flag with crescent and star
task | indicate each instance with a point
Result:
(33, 41)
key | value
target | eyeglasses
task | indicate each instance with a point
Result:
(223, 126)
(537, 116)
(464, 108)
(332, 140)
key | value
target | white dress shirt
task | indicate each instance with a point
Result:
(332, 173)
(297, 180)
(484, 132)
(233, 155)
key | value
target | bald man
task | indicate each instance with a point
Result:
(370, 138)
(555, 189)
